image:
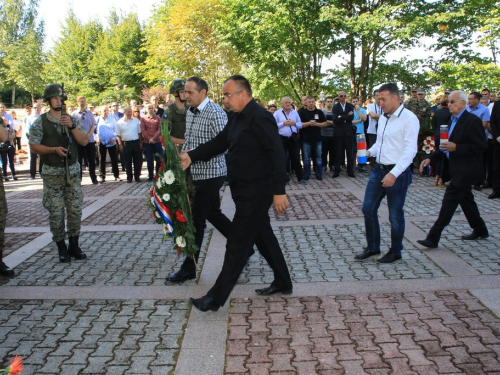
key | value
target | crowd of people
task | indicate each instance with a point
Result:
(238, 144)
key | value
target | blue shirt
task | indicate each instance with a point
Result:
(106, 130)
(10, 120)
(280, 116)
(483, 113)
(360, 126)
(87, 119)
(453, 123)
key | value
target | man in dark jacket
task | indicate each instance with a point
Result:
(462, 165)
(343, 114)
(257, 177)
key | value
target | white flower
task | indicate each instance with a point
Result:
(165, 229)
(157, 215)
(158, 183)
(169, 177)
(152, 200)
(180, 241)
(166, 197)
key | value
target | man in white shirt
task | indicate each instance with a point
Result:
(128, 134)
(394, 150)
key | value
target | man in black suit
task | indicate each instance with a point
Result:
(343, 114)
(495, 128)
(257, 177)
(462, 158)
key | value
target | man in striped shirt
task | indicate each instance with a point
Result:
(204, 121)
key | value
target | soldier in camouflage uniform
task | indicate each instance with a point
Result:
(176, 113)
(48, 135)
(4, 270)
(419, 106)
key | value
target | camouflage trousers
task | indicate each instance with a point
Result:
(56, 199)
(3, 212)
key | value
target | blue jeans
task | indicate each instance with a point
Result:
(315, 149)
(396, 196)
(151, 149)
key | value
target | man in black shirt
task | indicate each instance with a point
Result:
(313, 120)
(257, 178)
(343, 114)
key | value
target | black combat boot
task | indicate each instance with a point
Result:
(4, 270)
(74, 250)
(63, 252)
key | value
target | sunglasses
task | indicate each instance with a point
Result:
(343, 96)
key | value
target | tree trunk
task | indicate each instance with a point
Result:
(13, 95)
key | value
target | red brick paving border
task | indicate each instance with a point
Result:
(406, 333)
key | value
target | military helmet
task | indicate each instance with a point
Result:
(177, 85)
(52, 91)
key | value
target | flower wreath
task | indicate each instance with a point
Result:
(170, 194)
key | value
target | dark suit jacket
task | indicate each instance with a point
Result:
(495, 120)
(465, 166)
(342, 122)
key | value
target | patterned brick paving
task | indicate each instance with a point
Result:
(483, 254)
(313, 184)
(122, 212)
(320, 206)
(114, 258)
(14, 241)
(31, 214)
(92, 337)
(138, 189)
(409, 333)
(326, 253)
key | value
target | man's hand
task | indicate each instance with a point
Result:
(120, 146)
(61, 151)
(424, 164)
(388, 180)
(280, 203)
(448, 147)
(185, 160)
(350, 113)
(66, 121)
(498, 139)
(367, 154)
(112, 141)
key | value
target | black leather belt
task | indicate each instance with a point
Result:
(136, 140)
(386, 167)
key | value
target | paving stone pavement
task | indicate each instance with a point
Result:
(434, 312)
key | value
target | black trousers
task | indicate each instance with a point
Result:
(454, 196)
(328, 152)
(371, 139)
(10, 155)
(251, 224)
(343, 148)
(102, 158)
(18, 143)
(89, 151)
(291, 145)
(488, 161)
(206, 206)
(495, 181)
(33, 158)
(132, 152)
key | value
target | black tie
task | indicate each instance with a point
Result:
(194, 110)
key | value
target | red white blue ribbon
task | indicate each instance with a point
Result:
(164, 213)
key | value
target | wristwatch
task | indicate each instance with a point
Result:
(73, 127)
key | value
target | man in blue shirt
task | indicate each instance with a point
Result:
(483, 113)
(289, 123)
(106, 130)
(87, 119)
(360, 117)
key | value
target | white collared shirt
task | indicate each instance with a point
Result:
(128, 130)
(397, 138)
(375, 108)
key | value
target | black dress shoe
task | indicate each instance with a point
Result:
(204, 303)
(5, 271)
(138, 179)
(474, 236)
(428, 243)
(366, 254)
(477, 187)
(129, 181)
(335, 174)
(181, 275)
(270, 290)
(351, 174)
(494, 195)
(486, 186)
(389, 258)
